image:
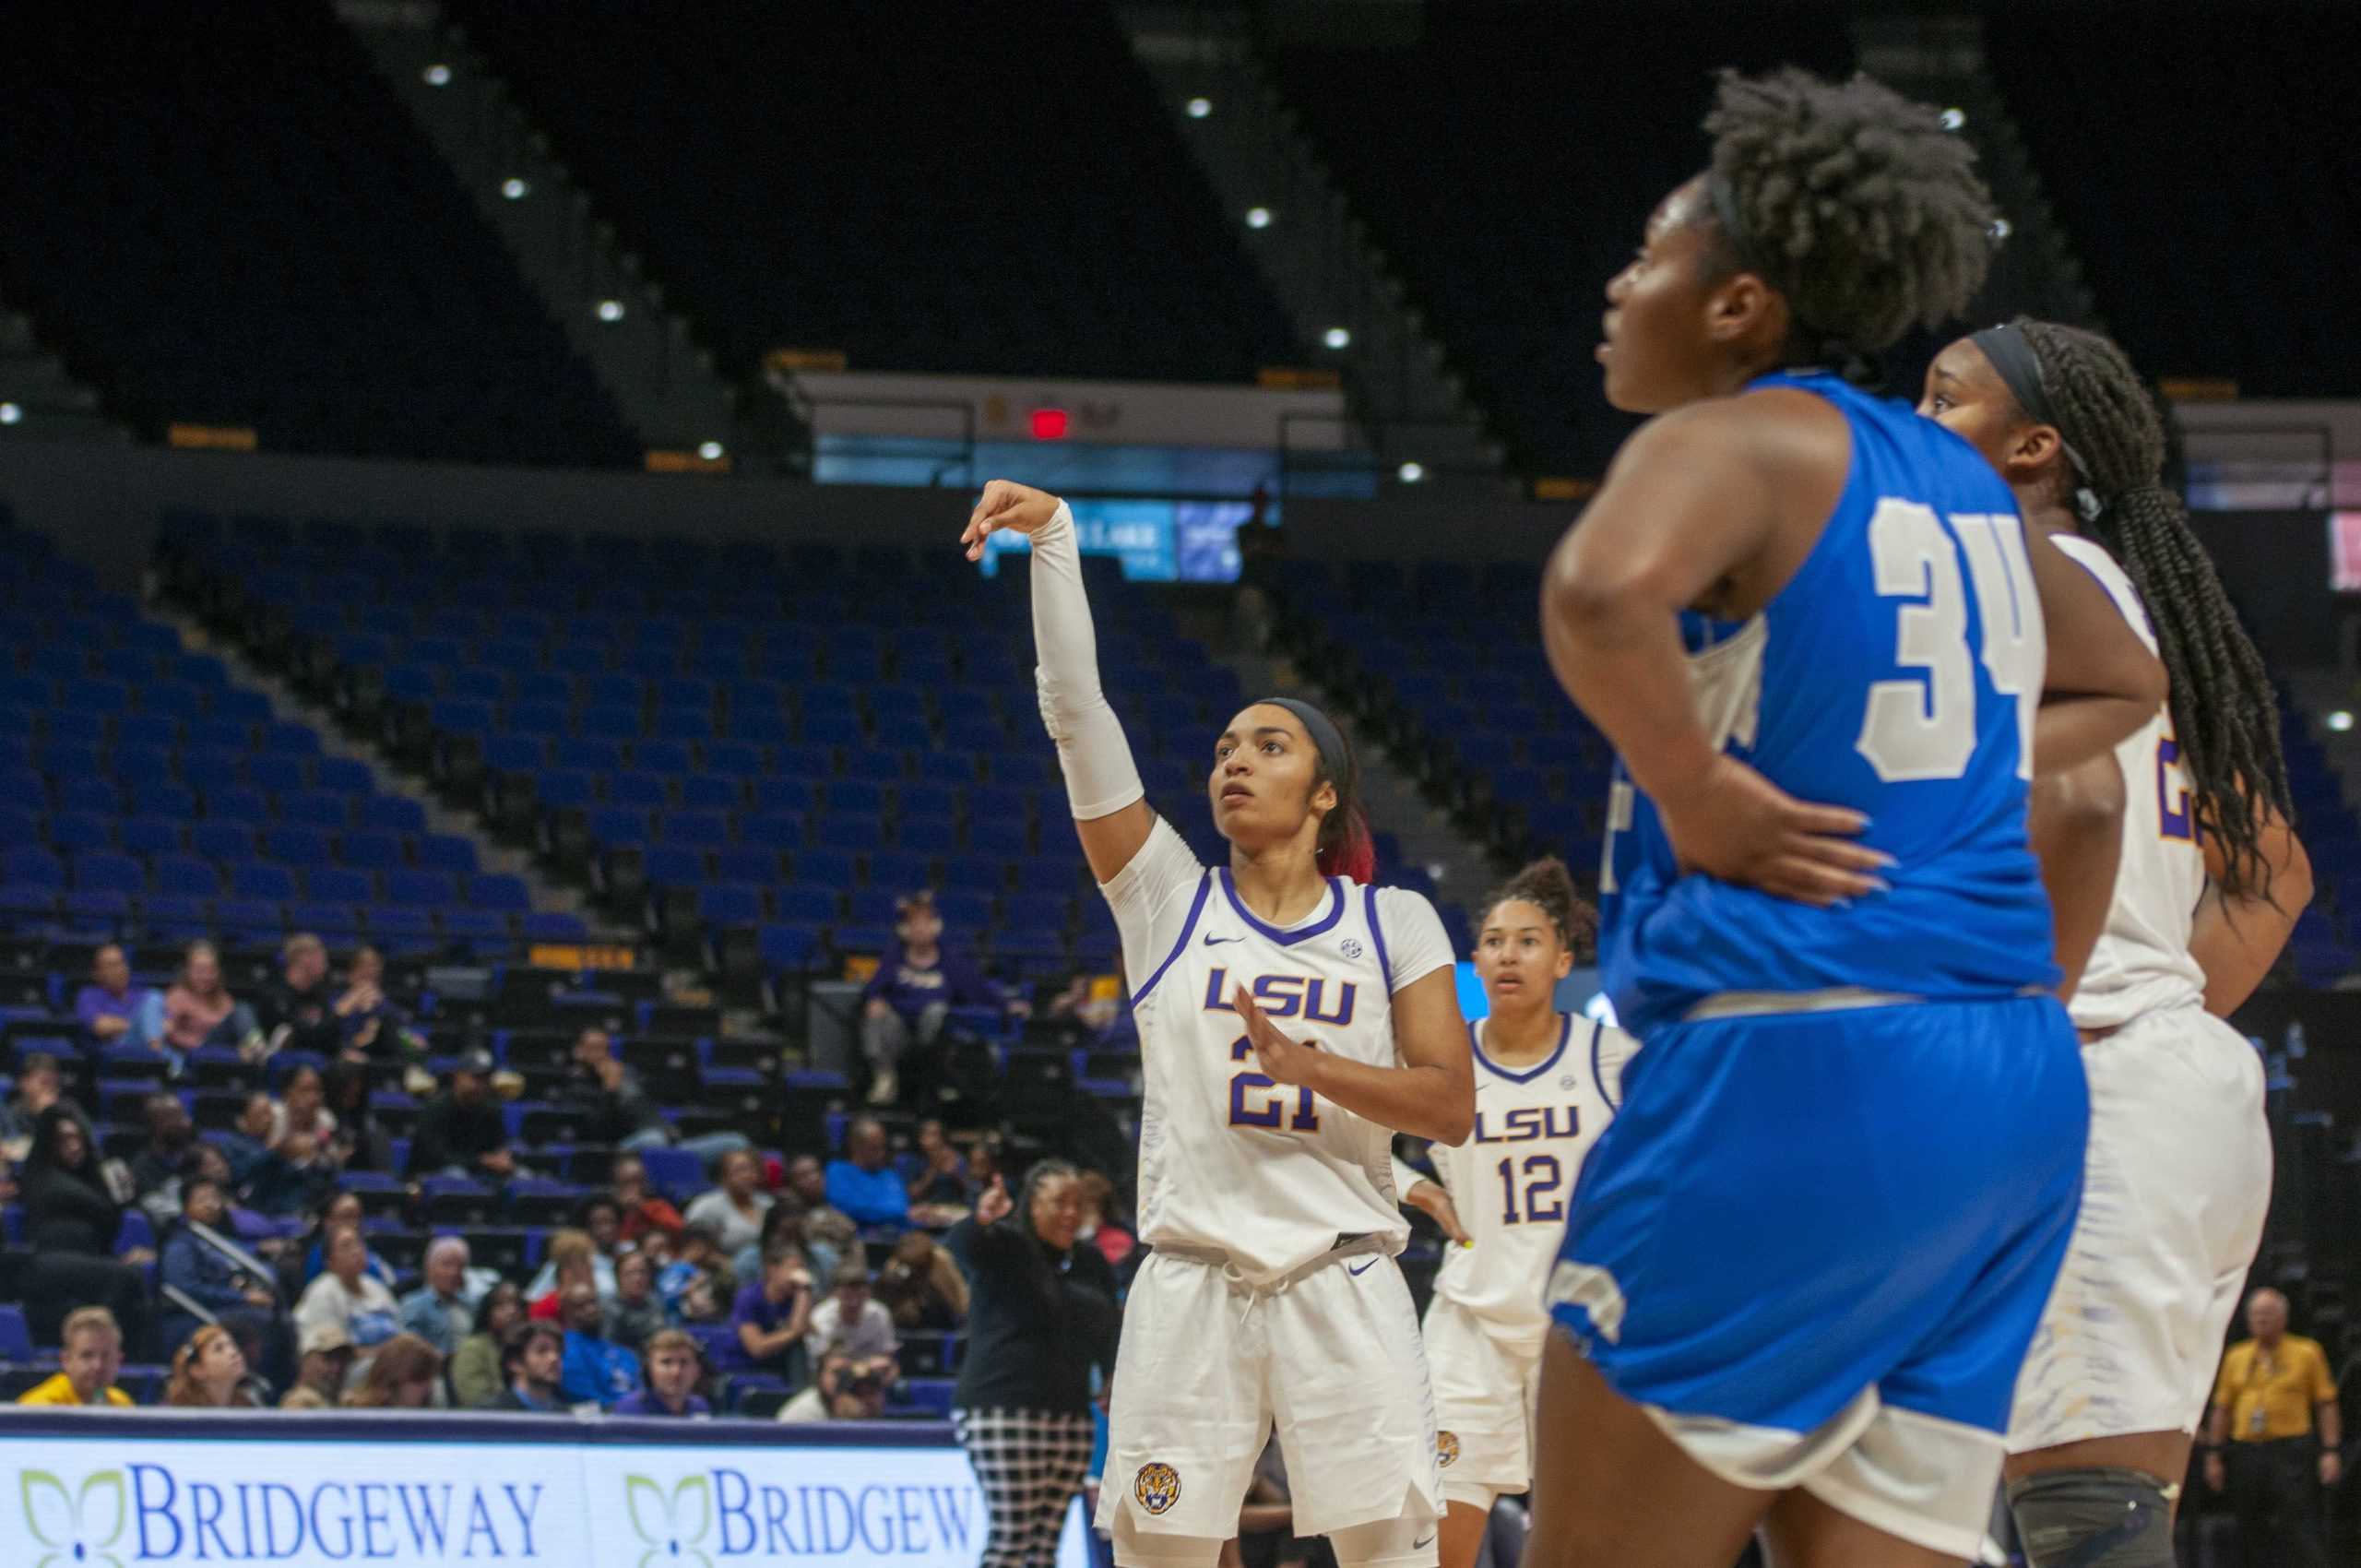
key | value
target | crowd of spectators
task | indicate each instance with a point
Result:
(241, 1254)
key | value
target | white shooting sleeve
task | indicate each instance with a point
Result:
(1101, 778)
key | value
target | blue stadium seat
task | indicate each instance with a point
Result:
(81, 830)
(995, 836)
(668, 865)
(149, 836)
(447, 851)
(371, 852)
(318, 808)
(806, 905)
(616, 826)
(832, 868)
(729, 905)
(392, 814)
(711, 792)
(641, 792)
(899, 870)
(701, 830)
(554, 925)
(928, 835)
(850, 797)
(830, 729)
(955, 768)
(255, 879)
(746, 863)
(296, 845)
(853, 834)
(875, 765)
(336, 884)
(278, 772)
(771, 830)
(609, 723)
(430, 889)
(660, 756)
(499, 892)
(187, 876)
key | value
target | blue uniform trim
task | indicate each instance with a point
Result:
(1565, 1033)
(1377, 935)
(1598, 1078)
(1188, 927)
(1300, 933)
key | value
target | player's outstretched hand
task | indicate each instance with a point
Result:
(993, 1205)
(1434, 1199)
(1734, 824)
(1006, 505)
(1283, 1061)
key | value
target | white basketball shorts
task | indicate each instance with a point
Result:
(2177, 1181)
(1485, 1387)
(1208, 1368)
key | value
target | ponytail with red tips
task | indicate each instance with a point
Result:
(1346, 847)
(1354, 854)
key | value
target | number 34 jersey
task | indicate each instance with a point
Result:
(1896, 672)
(1512, 1180)
(1269, 1176)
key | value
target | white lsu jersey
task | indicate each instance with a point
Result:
(2142, 964)
(1267, 1175)
(1512, 1180)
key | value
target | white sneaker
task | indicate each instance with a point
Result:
(883, 1088)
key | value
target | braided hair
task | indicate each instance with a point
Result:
(1853, 202)
(2225, 719)
(1546, 885)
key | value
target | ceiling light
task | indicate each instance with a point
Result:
(1200, 107)
(709, 450)
(1258, 217)
(1336, 338)
(1411, 472)
(610, 310)
(437, 74)
(514, 188)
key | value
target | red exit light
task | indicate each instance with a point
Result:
(1049, 424)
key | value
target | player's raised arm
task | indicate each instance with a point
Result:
(2102, 683)
(1110, 804)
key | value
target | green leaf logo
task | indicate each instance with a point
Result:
(672, 1526)
(78, 1527)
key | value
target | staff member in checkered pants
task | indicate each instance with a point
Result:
(1041, 1316)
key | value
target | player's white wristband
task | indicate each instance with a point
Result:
(1101, 777)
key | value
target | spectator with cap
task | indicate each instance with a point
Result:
(595, 1369)
(298, 1011)
(326, 1360)
(199, 1010)
(909, 1000)
(532, 1357)
(2273, 1437)
(111, 1008)
(87, 1365)
(674, 1368)
(439, 1312)
(462, 1131)
(851, 1320)
(864, 1181)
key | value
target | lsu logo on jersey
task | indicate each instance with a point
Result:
(1528, 1123)
(1157, 1488)
(1446, 1449)
(1287, 996)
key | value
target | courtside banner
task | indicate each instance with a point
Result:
(101, 1489)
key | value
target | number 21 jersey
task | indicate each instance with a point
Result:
(1267, 1175)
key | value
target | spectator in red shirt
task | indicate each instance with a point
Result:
(643, 1210)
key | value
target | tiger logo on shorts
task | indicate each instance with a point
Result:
(1157, 1488)
(1446, 1448)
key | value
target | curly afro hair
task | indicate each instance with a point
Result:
(1547, 884)
(1853, 201)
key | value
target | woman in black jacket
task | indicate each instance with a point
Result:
(1041, 1315)
(71, 1222)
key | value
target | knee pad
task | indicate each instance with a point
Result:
(2093, 1518)
(1388, 1543)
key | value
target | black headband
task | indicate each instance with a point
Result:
(1725, 200)
(1326, 739)
(2013, 358)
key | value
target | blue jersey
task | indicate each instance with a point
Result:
(1898, 673)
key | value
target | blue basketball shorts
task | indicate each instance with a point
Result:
(1813, 1246)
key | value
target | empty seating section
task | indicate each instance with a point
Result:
(142, 793)
(2118, 102)
(734, 740)
(1507, 162)
(220, 214)
(1419, 654)
(999, 197)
